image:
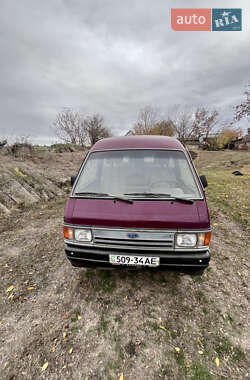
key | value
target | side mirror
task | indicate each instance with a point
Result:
(204, 180)
(72, 179)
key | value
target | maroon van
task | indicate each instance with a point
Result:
(138, 201)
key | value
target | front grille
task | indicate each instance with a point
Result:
(134, 239)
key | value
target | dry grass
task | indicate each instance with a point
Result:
(227, 192)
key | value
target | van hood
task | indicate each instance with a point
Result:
(141, 214)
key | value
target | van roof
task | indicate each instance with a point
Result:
(138, 142)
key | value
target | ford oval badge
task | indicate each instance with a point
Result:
(132, 235)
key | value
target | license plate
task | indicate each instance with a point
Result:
(134, 260)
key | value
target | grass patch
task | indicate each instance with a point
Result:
(225, 348)
(238, 354)
(114, 367)
(76, 314)
(89, 274)
(231, 194)
(200, 372)
(103, 325)
(180, 360)
(198, 279)
(230, 319)
(75, 330)
(99, 281)
(154, 326)
(107, 281)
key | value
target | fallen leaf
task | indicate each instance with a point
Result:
(215, 224)
(31, 288)
(64, 335)
(18, 171)
(53, 349)
(45, 366)
(10, 288)
(79, 317)
(11, 296)
(177, 349)
(70, 351)
(217, 361)
(121, 376)
(163, 328)
(160, 320)
(200, 352)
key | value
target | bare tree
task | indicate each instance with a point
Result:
(69, 127)
(182, 120)
(147, 119)
(243, 109)
(204, 122)
(95, 129)
(164, 128)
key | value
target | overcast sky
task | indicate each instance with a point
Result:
(112, 57)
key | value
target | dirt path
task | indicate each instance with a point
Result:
(99, 324)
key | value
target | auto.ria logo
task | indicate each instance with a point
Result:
(206, 19)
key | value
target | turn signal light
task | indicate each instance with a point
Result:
(204, 239)
(207, 238)
(68, 233)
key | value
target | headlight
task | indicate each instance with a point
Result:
(77, 234)
(186, 240)
(83, 235)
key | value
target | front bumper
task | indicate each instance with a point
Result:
(88, 256)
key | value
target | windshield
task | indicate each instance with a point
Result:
(138, 171)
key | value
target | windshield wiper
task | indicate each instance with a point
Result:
(185, 200)
(150, 194)
(115, 197)
(162, 195)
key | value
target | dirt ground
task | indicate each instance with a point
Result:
(60, 322)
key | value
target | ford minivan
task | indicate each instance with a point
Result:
(138, 201)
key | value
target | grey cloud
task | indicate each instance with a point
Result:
(112, 57)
